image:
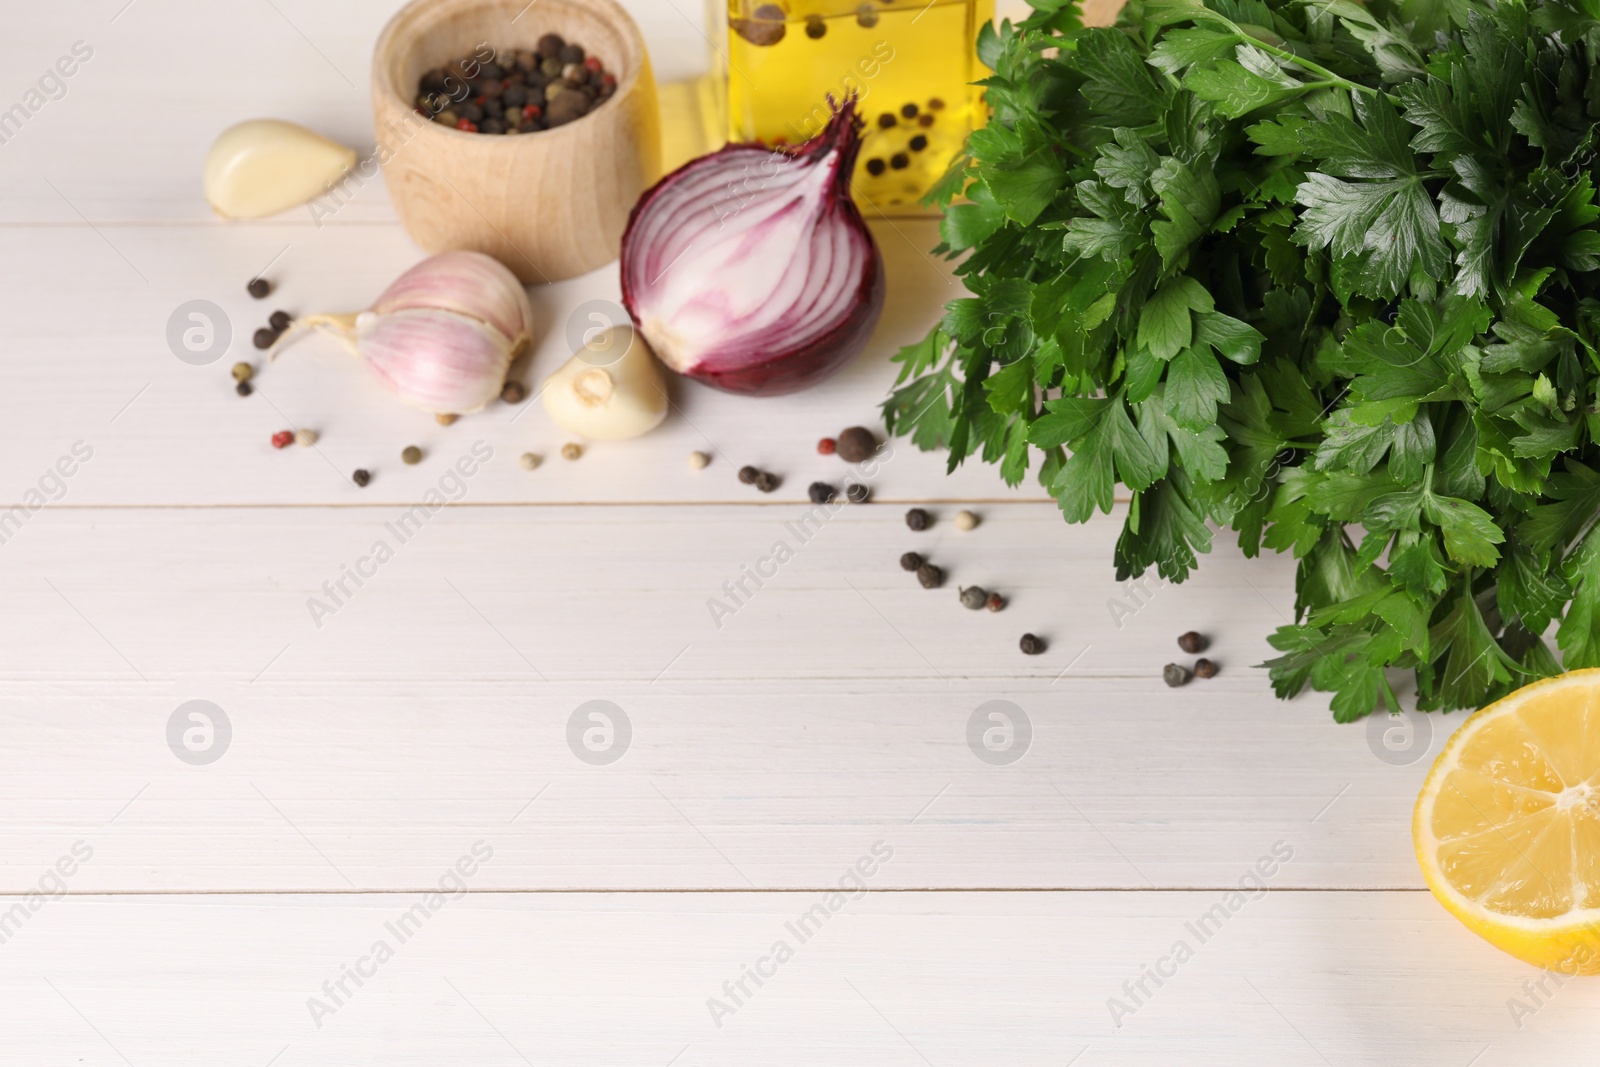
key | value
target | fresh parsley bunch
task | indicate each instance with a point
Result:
(1323, 273)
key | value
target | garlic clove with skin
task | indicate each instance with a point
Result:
(264, 166)
(611, 390)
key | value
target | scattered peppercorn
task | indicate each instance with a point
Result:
(748, 475)
(259, 288)
(244, 388)
(973, 598)
(446, 419)
(816, 28)
(899, 161)
(827, 446)
(966, 520)
(996, 602)
(243, 372)
(910, 561)
(280, 320)
(919, 142)
(930, 576)
(857, 493)
(361, 478)
(1192, 642)
(530, 460)
(1204, 668)
(283, 439)
(857, 444)
(514, 393)
(699, 461)
(1032, 645)
(571, 450)
(265, 338)
(767, 481)
(305, 438)
(918, 519)
(411, 455)
(910, 111)
(822, 493)
(1175, 674)
(875, 167)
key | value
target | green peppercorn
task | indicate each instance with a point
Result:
(973, 598)
(411, 455)
(243, 372)
(1175, 674)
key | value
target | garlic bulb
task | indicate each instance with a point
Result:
(264, 166)
(610, 390)
(443, 335)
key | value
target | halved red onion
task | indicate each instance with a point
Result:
(751, 268)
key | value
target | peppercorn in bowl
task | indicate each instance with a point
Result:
(485, 145)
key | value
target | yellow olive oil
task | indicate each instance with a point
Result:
(910, 62)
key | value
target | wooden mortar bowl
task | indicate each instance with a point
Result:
(549, 205)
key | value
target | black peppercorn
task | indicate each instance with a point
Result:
(767, 482)
(748, 475)
(822, 493)
(910, 561)
(550, 46)
(492, 126)
(930, 576)
(857, 493)
(265, 337)
(1032, 645)
(1204, 668)
(1175, 674)
(918, 519)
(259, 288)
(244, 388)
(492, 72)
(857, 444)
(1192, 642)
(515, 96)
(361, 478)
(573, 53)
(280, 321)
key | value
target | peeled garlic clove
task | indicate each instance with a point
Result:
(610, 390)
(264, 166)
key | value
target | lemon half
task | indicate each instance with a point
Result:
(1507, 827)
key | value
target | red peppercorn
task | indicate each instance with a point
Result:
(593, 63)
(609, 81)
(827, 446)
(533, 111)
(283, 439)
(996, 602)
(480, 100)
(467, 125)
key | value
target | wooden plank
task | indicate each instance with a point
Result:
(435, 699)
(890, 979)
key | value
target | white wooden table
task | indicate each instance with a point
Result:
(1029, 913)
